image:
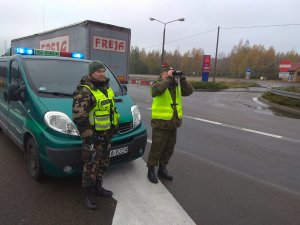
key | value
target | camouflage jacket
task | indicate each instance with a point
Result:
(83, 102)
(158, 88)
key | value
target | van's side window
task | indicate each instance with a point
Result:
(15, 75)
(2, 79)
(2, 75)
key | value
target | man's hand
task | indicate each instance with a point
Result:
(165, 75)
(170, 73)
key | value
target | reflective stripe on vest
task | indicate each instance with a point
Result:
(162, 105)
(100, 115)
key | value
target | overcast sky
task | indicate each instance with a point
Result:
(26, 17)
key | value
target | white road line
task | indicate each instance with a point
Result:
(263, 133)
(260, 103)
(141, 202)
(203, 120)
(234, 127)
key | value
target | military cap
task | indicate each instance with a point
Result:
(95, 65)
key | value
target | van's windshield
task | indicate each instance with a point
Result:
(61, 77)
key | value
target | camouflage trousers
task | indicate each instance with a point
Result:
(162, 147)
(95, 157)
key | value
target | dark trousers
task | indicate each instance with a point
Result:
(95, 158)
(162, 148)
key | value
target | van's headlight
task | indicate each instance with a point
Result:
(136, 116)
(60, 122)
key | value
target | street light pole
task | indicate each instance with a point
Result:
(163, 46)
(216, 55)
(164, 34)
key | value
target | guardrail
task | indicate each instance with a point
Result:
(285, 93)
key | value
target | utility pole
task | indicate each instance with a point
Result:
(164, 34)
(216, 55)
(43, 18)
(163, 45)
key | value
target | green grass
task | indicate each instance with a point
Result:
(282, 100)
(215, 86)
(291, 89)
(241, 84)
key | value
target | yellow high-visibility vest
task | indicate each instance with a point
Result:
(104, 113)
(163, 105)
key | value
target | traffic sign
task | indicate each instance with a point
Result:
(248, 73)
(285, 65)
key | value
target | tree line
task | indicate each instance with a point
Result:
(261, 61)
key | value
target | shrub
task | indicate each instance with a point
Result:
(281, 100)
(214, 86)
(208, 85)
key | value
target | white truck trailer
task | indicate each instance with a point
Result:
(97, 41)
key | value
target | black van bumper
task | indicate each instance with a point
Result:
(60, 158)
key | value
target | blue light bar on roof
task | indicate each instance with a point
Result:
(24, 51)
(77, 55)
(32, 51)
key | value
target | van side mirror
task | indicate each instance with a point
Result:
(16, 92)
(124, 86)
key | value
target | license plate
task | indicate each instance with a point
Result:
(118, 151)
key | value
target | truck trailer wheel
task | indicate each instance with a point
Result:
(33, 160)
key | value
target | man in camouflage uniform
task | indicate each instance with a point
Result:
(166, 118)
(96, 143)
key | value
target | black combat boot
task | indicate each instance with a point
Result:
(163, 172)
(151, 174)
(89, 198)
(100, 191)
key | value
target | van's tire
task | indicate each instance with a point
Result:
(33, 160)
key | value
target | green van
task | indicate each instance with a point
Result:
(36, 89)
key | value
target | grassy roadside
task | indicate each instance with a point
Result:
(218, 86)
(291, 89)
(282, 100)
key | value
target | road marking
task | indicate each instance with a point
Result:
(203, 120)
(260, 103)
(234, 127)
(139, 201)
(263, 133)
(238, 128)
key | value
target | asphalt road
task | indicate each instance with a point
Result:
(235, 162)
(24, 201)
(136, 201)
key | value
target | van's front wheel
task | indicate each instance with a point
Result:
(33, 160)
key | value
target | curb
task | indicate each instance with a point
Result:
(280, 107)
